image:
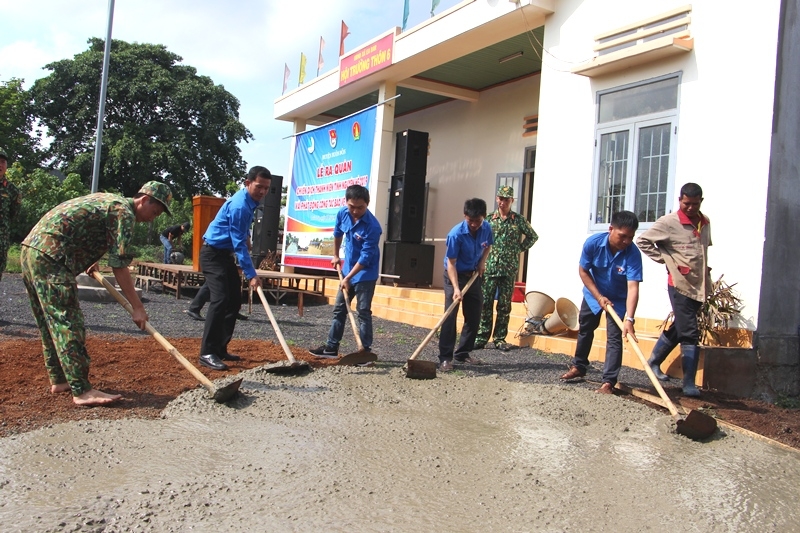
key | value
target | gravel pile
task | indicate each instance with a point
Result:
(394, 341)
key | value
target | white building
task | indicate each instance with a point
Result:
(589, 106)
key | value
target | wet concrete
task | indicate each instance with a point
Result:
(348, 449)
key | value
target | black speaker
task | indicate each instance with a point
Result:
(406, 208)
(411, 153)
(265, 222)
(412, 263)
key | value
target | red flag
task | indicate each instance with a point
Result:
(320, 62)
(285, 77)
(345, 33)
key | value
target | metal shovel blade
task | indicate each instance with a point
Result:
(357, 358)
(420, 369)
(288, 369)
(696, 425)
(227, 392)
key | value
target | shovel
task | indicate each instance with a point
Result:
(427, 369)
(220, 395)
(361, 356)
(696, 425)
(292, 367)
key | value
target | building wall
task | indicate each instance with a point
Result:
(470, 143)
(724, 127)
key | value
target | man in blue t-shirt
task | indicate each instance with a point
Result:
(611, 269)
(226, 238)
(361, 232)
(468, 246)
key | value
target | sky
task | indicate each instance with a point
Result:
(240, 44)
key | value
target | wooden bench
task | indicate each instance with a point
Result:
(144, 281)
(279, 284)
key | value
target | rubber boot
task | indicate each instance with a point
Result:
(660, 352)
(689, 356)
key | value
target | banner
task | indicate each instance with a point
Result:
(327, 160)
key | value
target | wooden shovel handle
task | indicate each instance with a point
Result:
(649, 371)
(274, 322)
(156, 335)
(350, 311)
(446, 314)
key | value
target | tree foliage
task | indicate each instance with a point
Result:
(163, 121)
(17, 135)
(40, 191)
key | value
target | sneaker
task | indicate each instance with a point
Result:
(324, 352)
(503, 346)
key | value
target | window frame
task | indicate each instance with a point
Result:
(634, 125)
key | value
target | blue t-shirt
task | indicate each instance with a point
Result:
(360, 244)
(611, 272)
(229, 229)
(466, 249)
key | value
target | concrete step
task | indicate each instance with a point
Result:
(424, 307)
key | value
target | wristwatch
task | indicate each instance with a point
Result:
(630, 319)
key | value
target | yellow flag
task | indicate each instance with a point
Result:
(302, 69)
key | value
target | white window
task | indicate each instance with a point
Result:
(635, 150)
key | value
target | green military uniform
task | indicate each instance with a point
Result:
(70, 238)
(10, 202)
(501, 269)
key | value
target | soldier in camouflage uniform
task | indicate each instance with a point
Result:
(69, 239)
(10, 201)
(513, 235)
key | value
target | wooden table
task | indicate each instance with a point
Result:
(279, 284)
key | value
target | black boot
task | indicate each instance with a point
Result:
(690, 353)
(660, 352)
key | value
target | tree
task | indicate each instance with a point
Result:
(40, 191)
(17, 136)
(162, 120)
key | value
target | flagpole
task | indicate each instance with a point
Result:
(98, 146)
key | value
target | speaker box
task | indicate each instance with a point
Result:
(406, 208)
(265, 222)
(411, 153)
(413, 263)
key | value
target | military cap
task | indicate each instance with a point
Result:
(505, 191)
(159, 192)
(3, 154)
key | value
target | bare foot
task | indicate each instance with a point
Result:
(59, 387)
(95, 397)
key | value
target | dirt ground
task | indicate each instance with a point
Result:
(149, 378)
(141, 370)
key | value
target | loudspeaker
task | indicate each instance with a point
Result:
(406, 208)
(411, 153)
(413, 263)
(265, 222)
(273, 197)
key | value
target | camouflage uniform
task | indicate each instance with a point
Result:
(65, 242)
(501, 269)
(10, 201)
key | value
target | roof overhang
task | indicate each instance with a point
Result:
(461, 30)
